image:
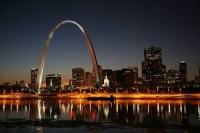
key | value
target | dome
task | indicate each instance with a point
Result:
(106, 81)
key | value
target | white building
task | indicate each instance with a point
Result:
(106, 81)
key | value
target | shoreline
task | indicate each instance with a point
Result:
(102, 96)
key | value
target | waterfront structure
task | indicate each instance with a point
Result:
(131, 76)
(78, 76)
(33, 77)
(46, 45)
(53, 81)
(183, 72)
(153, 70)
(172, 78)
(126, 77)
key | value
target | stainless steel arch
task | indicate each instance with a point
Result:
(46, 45)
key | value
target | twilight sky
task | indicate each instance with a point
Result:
(118, 29)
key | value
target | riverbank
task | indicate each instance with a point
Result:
(100, 95)
(138, 96)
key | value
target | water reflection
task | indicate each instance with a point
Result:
(121, 111)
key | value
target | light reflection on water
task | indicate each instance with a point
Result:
(103, 116)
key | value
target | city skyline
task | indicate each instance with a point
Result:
(119, 31)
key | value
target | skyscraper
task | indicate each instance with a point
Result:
(152, 68)
(78, 76)
(183, 71)
(33, 76)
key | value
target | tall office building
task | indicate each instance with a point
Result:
(153, 70)
(183, 71)
(33, 76)
(78, 76)
(53, 80)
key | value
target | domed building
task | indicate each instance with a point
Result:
(106, 82)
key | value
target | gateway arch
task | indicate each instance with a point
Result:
(46, 45)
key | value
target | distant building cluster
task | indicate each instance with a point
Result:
(108, 78)
(155, 78)
(154, 74)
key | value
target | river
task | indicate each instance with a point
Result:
(81, 115)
